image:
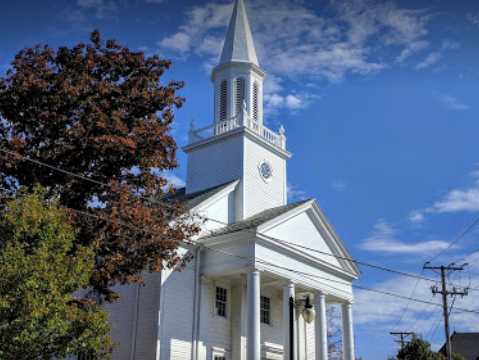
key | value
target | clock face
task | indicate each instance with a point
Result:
(266, 170)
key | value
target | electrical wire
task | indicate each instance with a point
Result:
(309, 275)
(278, 240)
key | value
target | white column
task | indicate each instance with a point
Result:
(300, 336)
(288, 292)
(253, 341)
(320, 326)
(348, 332)
(238, 320)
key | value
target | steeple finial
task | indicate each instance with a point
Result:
(239, 44)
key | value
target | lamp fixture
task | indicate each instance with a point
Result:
(308, 311)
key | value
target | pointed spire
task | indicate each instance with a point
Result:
(239, 44)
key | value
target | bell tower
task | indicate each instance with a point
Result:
(237, 145)
(238, 79)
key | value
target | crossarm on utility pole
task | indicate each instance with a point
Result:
(445, 293)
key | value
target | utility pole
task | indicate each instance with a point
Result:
(403, 335)
(445, 293)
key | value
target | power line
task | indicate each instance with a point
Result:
(69, 173)
(363, 263)
(40, 163)
(383, 292)
(432, 331)
(51, 167)
(225, 224)
(403, 336)
(453, 242)
(461, 235)
(311, 276)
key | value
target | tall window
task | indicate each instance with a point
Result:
(219, 357)
(223, 100)
(240, 94)
(221, 301)
(255, 101)
(265, 310)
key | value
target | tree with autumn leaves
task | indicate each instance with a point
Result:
(92, 124)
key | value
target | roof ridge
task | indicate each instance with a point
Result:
(258, 219)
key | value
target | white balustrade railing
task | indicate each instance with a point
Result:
(236, 122)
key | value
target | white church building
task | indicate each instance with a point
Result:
(263, 270)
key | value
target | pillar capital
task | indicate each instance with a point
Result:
(289, 284)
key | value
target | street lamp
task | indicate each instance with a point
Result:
(308, 311)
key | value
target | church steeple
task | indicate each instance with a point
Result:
(238, 145)
(238, 79)
(239, 44)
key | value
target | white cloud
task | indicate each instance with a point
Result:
(452, 103)
(174, 180)
(410, 50)
(180, 42)
(448, 44)
(459, 200)
(201, 20)
(382, 311)
(405, 28)
(432, 59)
(296, 194)
(293, 102)
(473, 261)
(416, 217)
(464, 199)
(383, 239)
(473, 18)
(314, 46)
(101, 8)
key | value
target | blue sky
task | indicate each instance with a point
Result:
(379, 102)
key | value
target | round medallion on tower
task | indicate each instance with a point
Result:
(265, 170)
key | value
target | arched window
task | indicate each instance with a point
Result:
(223, 100)
(255, 101)
(240, 94)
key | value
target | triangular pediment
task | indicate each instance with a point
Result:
(304, 229)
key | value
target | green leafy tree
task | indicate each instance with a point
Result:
(40, 318)
(417, 349)
(98, 110)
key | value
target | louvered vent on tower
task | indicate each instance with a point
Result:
(255, 101)
(240, 94)
(223, 100)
